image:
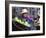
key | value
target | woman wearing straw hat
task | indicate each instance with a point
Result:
(26, 17)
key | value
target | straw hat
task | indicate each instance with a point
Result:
(24, 11)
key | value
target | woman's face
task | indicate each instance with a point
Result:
(25, 15)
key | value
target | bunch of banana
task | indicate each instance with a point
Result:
(22, 22)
